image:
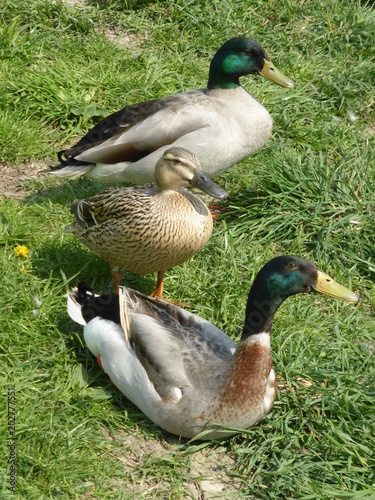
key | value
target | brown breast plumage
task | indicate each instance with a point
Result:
(144, 232)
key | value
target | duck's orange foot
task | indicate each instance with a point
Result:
(215, 211)
(173, 302)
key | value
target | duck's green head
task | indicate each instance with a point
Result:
(280, 278)
(239, 57)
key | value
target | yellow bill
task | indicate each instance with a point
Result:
(270, 72)
(328, 286)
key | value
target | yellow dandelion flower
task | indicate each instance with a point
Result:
(21, 250)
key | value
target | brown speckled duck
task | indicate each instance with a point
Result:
(147, 229)
(184, 373)
(221, 124)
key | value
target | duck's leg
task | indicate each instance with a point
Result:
(158, 292)
(116, 278)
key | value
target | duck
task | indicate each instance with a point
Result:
(147, 229)
(184, 373)
(221, 125)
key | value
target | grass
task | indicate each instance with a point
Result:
(309, 191)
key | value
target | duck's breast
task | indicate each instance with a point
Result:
(161, 232)
(251, 388)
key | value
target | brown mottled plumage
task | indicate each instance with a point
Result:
(184, 373)
(149, 229)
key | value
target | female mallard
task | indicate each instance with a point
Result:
(221, 125)
(184, 373)
(149, 229)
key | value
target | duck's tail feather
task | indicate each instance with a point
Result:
(76, 300)
(84, 305)
(70, 171)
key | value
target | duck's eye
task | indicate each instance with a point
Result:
(248, 52)
(291, 266)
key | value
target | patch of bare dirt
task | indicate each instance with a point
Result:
(210, 469)
(73, 3)
(206, 479)
(127, 41)
(370, 130)
(15, 181)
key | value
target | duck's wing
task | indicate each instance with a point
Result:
(111, 204)
(178, 350)
(111, 126)
(136, 131)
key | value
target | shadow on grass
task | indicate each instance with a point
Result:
(62, 191)
(78, 264)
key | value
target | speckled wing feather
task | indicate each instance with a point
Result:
(111, 204)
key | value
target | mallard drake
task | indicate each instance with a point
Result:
(183, 372)
(145, 229)
(221, 125)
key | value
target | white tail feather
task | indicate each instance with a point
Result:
(72, 172)
(75, 309)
